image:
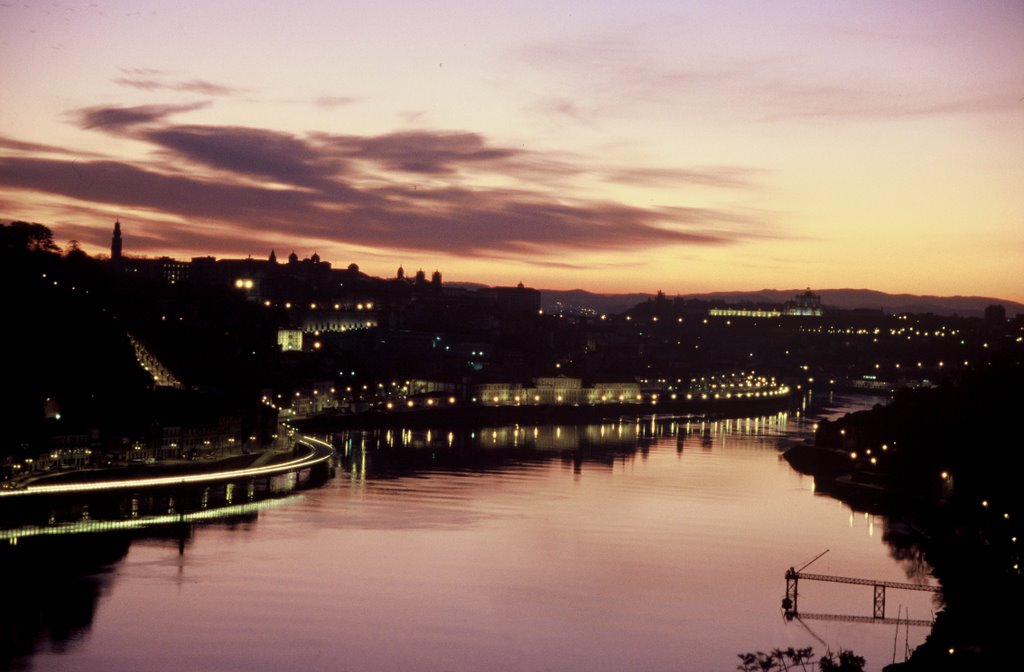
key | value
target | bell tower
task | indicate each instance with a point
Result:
(115, 243)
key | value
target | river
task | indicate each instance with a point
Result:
(650, 545)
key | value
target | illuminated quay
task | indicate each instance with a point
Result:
(710, 396)
(318, 453)
(87, 526)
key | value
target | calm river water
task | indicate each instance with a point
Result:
(658, 545)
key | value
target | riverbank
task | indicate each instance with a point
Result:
(303, 453)
(529, 414)
(937, 460)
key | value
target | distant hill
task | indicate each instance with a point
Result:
(573, 299)
(466, 285)
(966, 306)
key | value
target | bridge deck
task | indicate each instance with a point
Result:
(867, 582)
(864, 619)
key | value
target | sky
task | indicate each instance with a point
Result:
(615, 146)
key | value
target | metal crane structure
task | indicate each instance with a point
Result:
(790, 601)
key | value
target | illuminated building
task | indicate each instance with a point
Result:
(807, 304)
(337, 322)
(745, 312)
(290, 340)
(607, 393)
(554, 391)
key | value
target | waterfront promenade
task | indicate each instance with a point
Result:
(307, 452)
(483, 414)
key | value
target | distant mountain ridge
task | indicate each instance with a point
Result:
(849, 299)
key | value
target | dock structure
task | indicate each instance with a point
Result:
(790, 601)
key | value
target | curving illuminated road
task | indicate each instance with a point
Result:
(98, 526)
(319, 451)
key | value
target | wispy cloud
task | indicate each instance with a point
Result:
(331, 102)
(564, 107)
(156, 80)
(616, 75)
(38, 148)
(871, 103)
(726, 177)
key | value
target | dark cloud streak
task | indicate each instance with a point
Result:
(248, 151)
(121, 118)
(355, 190)
(437, 153)
(123, 184)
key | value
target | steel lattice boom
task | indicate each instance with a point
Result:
(793, 577)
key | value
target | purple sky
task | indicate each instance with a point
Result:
(627, 146)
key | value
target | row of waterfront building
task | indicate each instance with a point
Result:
(325, 397)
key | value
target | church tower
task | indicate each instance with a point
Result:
(115, 243)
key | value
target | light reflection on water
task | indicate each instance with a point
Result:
(656, 545)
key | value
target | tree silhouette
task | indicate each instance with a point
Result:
(847, 661)
(757, 662)
(27, 237)
(789, 658)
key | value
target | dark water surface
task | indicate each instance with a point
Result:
(658, 545)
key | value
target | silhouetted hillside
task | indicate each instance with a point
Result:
(848, 299)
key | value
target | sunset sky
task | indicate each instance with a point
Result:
(612, 146)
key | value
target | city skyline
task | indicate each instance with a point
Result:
(618, 148)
